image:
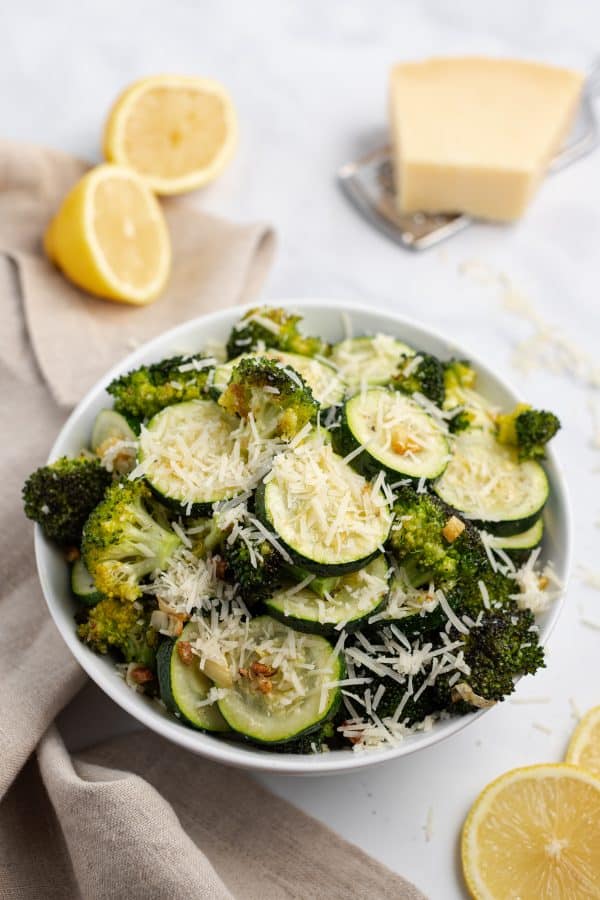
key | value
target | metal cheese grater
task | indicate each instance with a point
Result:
(368, 183)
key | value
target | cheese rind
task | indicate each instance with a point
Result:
(476, 135)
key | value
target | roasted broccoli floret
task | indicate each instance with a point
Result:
(279, 400)
(527, 429)
(125, 539)
(314, 741)
(270, 327)
(116, 625)
(466, 596)
(60, 496)
(432, 542)
(421, 374)
(256, 573)
(142, 393)
(500, 648)
(427, 703)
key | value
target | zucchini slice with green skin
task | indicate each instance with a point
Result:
(187, 453)
(83, 585)
(519, 546)
(486, 483)
(326, 516)
(369, 360)
(183, 687)
(318, 584)
(356, 597)
(302, 688)
(396, 433)
(327, 387)
(110, 425)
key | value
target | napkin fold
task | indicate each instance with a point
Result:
(135, 817)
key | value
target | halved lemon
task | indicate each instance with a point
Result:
(177, 132)
(584, 746)
(534, 834)
(110, 237)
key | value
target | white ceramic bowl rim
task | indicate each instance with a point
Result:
(149, 713)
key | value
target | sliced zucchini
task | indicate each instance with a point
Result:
(317, 585)
(82, 584)
(110, 426)
(486, 483)
(396, 433)
(183, 687)
(327, 387)
(520, 544)
(355, 597)
(369, 360)
(328, 518)
(191, 456)
(480, 412)
(287, 684)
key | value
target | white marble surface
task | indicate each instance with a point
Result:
(309, 83)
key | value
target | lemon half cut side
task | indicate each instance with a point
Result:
(177, 132)
(110, 237)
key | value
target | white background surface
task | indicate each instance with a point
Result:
(308, 80)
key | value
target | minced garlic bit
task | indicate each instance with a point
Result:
(117, 455)
(463, 691)
(402, 442)
(453, 529)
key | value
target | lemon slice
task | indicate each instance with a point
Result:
(584, 747)
(176, 131)
(110, 237)
(534, 834)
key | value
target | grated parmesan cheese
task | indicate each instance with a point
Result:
(319, 503)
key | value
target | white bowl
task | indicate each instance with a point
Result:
(326, 318)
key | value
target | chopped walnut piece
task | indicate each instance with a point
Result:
(402, 442)
(175, 626)
(354, 739)
(172, 613)
(142, 675)
(264, 685)
(258, 668)
(220, 568)
(184, 651)
(453, 529)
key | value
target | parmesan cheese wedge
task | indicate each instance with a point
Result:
(476, 135)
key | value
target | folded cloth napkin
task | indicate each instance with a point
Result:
(136, 817)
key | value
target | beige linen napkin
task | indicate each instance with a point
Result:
(136, 817)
